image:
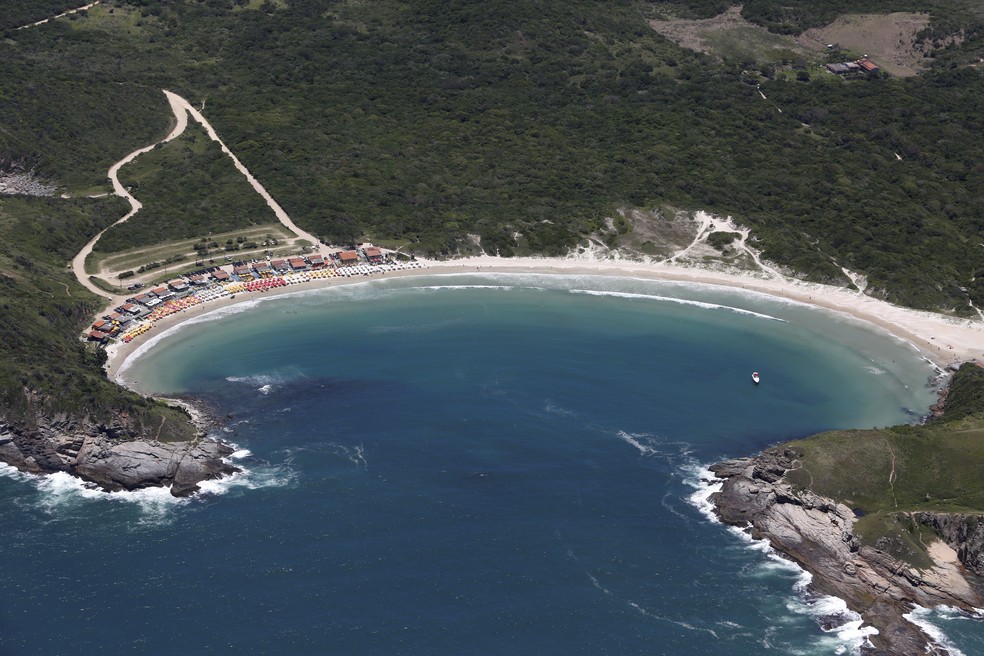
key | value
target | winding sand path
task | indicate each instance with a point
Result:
(281, 215)
(181, 109)
(64, 13)
(78, 262)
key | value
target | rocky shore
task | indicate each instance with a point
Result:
(816, 533)
(111, 458)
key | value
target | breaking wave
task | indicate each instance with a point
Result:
(843, 628)
(680, 301)
(62, 494)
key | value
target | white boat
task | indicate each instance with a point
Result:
(755, 377)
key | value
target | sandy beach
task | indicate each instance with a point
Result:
(942, 339)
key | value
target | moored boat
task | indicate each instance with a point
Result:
(755, 377)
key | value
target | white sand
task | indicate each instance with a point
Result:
(942, 339)
(943, 554)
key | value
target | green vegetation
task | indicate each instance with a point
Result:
(188, 188)
(721, 240)
(890, 473)
(421, 124)
(44, 367)
(525, 123)
(15, 13)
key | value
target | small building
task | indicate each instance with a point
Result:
(316, 261)
(221, 276)
(348, 258)
(838, 69)
(868, 66)
(134, 310)
(280, 266)
(262, 268)
(102, 326)
(98, 336)
(141, 298)
(163, 293)
(197, 280)
(297, 264)
(178, 285)
(373, 254)
(241, 271)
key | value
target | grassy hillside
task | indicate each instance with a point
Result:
(44, 367)
(188, 188)
(887, 474)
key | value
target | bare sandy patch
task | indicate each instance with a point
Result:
(888, 39)
(727, 35)
(942, 553)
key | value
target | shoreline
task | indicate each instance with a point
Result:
(941, 339)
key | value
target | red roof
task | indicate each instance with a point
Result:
(220, 275)
(160, 290)
(348, 256)
(373, 252)
(868, 65)
(97, 335)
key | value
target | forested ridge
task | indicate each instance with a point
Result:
(421, 123)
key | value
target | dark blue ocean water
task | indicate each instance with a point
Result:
(461, 465)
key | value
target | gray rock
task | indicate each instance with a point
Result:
(108, 456)
(817, 533)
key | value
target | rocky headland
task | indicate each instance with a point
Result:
(817, 533)
(109, 456)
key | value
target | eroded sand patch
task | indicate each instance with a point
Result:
(888, 39)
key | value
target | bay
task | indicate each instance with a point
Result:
(461, 464)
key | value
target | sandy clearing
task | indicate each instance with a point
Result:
(942, 553)
(888, 39)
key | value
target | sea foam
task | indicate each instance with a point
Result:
(680, 301)
(846, 633)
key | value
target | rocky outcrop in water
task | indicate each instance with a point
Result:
(816, 533)
(109, 457)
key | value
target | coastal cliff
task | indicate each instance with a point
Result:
(818, 533)
(112, 456)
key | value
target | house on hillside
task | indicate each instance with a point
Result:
(98, 336)
(868, 66)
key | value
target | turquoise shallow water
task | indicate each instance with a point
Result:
(461, 464)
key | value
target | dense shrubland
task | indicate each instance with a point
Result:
(424, 122)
